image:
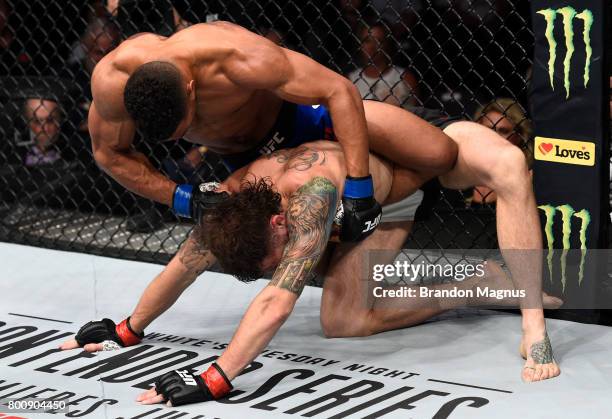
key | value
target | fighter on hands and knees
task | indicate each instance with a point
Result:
(300, 213)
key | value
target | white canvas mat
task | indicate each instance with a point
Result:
(458, 368)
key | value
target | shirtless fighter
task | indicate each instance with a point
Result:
(242, 96)
(293, 221)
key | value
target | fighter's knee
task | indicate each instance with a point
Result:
(332, 327)
(344, 326)
(510, 168)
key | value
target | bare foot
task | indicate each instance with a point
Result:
(539, 363)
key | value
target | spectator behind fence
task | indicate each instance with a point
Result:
(44, 119)
(379, 78)
(100, 37)
(39, 167)
(508, 118)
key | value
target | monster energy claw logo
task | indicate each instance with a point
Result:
(567, 212)
(568, 13)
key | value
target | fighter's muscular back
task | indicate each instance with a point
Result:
(240, 80)
(229, 118)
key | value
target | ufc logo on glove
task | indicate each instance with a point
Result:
(371, 225)
(187, 377)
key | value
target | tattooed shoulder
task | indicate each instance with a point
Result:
(318, 184)
(310, 213)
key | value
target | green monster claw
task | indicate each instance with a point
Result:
(549, 212)
(567, 212)
(568, 14)
(566, 228)
(585, 216)
(549, 16)
(587, 17)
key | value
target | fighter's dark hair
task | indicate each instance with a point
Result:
(237, 230)
(155, 97)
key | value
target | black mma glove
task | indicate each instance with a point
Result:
(361, 211)
(102, 330)
(189, 202)
(182, 387)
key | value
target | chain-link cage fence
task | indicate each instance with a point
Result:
(467, 57)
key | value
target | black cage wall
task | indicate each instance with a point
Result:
(456, 56)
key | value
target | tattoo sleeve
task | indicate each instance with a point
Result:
(310, 214)
(194, 256)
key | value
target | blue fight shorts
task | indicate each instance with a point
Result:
(295, 125)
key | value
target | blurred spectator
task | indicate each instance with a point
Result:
(40, 170)
(100, 37)
(44, 118)
(379, 78)
(508, 118)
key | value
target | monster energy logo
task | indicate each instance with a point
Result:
(568, 13)
(567, 212)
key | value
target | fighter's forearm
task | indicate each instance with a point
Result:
(346, 109)
(191, 260)
(135, 172)
(161, 293)
(263, 318)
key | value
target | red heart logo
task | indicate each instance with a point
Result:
(545, 147)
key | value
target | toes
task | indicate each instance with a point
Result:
(527, 374)
(554, 371)
(537, 374)
(540, 372)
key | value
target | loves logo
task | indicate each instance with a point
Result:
(556, 150)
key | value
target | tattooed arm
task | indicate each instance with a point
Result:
(310, 213)
(190, 261)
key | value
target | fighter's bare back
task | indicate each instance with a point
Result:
(290, 169)
(229, 118)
